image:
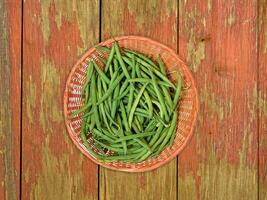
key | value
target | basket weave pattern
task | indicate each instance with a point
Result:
(188, 105)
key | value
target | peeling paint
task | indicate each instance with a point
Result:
(27, 175)
(45, 20)
(169, 7)
(140, 14)
(231, 17)
(223, 181)
(50, 93)
(31, 100)
(187, 189)
(263, 103)
(209, 6)
(195, 47)
(216, 109)
(261, 18)
(196, 52)
(55, 171)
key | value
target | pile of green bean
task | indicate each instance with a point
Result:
(129, 106)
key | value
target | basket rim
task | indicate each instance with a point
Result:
(195, 109)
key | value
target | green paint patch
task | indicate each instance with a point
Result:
(263, 103)
(231, 19)
(27, 175)
(209, 6)
(31, 100)
(196, 52)
(73, 12)
(221, 179)
(170, 6)
(195, 47)
(187, 189)
(216, 108)
(56, 181)
(140, 15)
(51, 96)
(45, 19)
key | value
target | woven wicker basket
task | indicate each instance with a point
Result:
(188, 105)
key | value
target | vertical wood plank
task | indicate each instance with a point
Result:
(56, 34)
(218, 39)
(10, 99)
(262, 99)
(157, 20)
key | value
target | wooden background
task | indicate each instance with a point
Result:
(225, 44)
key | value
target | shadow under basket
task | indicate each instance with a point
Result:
(187, 108)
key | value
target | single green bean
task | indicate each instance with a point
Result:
(122, 64)
(94, 99)
(110, 58)
(135, 103)
(177, 92)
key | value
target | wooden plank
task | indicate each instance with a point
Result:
(262, 99)
(10, 99)
(157, 20)
(219, 41)
(56, 33)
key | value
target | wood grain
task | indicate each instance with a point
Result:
(157, 20)
(10, 90)
(262, 98)
(55, 34)
(219, 41)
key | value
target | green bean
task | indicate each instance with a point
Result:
(167, 96)
(110, 57)
(160, 109)
(131, 94)
(138, 70)
(135, 103)
(138, 124)
(101, 73)
(123, 87)
(84, 108)
(149, 104)
(178, 91)
(101, 106)
(103, 49)
(94, 99)
(134, 136)
(144, 58)
(112, 86)
(101, 135)
(103, 60)
(124, 117)
(108, 146)
(115, 102)
(117, 50)
(161, 101)
(161, 66)
(124, 144)
(169, 133)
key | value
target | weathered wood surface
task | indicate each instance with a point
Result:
(219, 41)
(262, 98)
(157, 20)
(10, 98)
(55, 35)
(225, 45)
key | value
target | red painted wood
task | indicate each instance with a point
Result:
(55, 36)
(262, 98)
(219, 41)
(10, 90)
